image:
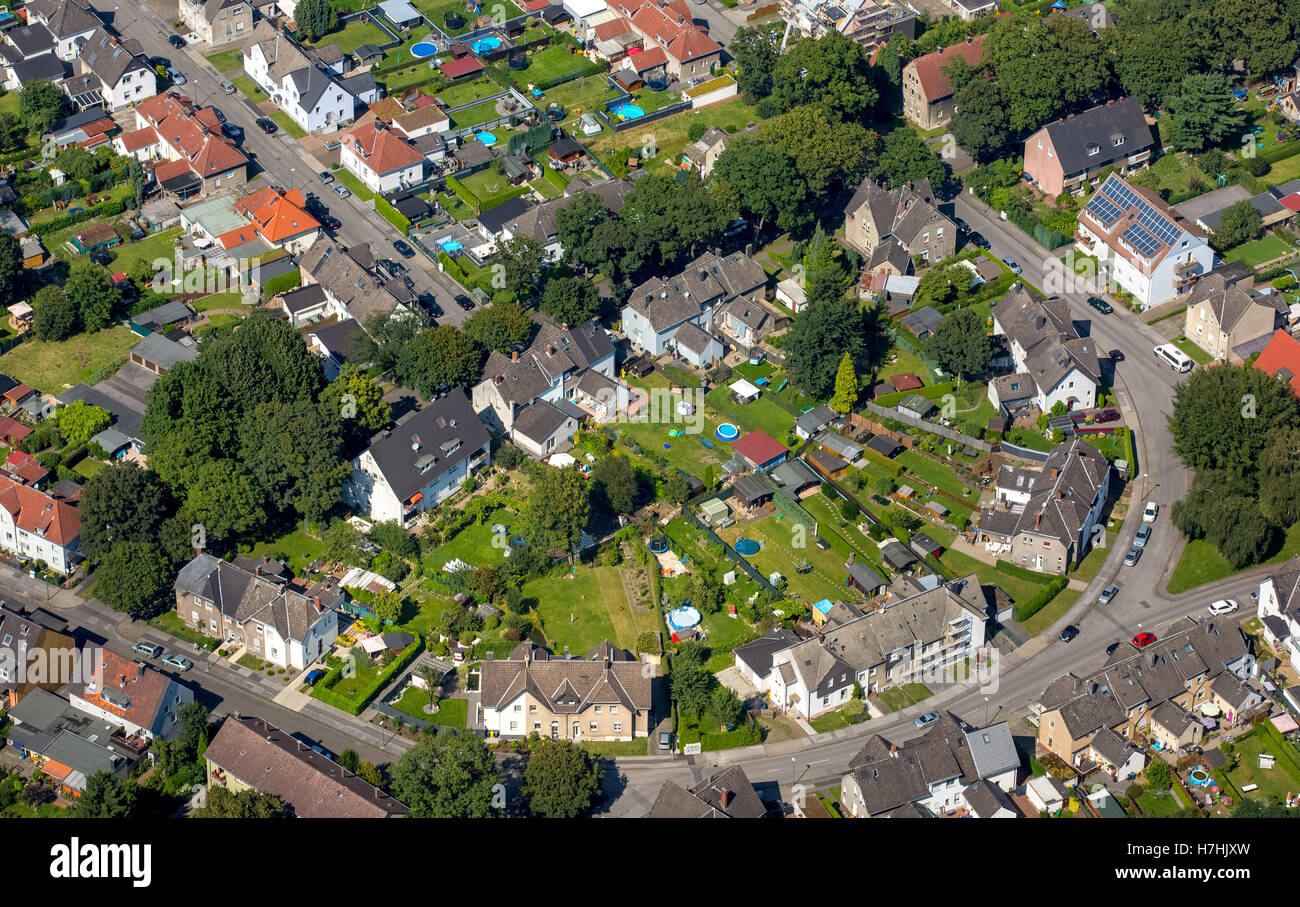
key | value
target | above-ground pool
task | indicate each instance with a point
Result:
(656, 84)
(485, 45)
(683, 618)
(422, 49)
(1199, 776)
(518, 62)
(451, 245)
(727, 432)
(486, 138)
(747, 547)
(628, 111)
(555, 114)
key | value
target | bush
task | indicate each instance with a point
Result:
(1160, 777)
(648, 643)
(285, 282)
(1042, 599)
(1022, 572)
(1134, 791)
(392, 215)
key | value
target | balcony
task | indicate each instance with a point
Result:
(1084, 239)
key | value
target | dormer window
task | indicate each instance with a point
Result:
(1118, 140)
(1094, 149)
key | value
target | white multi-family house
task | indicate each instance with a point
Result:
(121, 76)
(1046, 347)
(218, 22)
(420, 463)
(380, 157)
(1278, 608)
(35, 526)
(659, 307)
(69, 21)
(308, 93)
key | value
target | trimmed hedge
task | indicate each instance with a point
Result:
(875, 458)
(1042, 599)
(1286, 753)
(463, 194)
(281, 284)
(103, 209)
(366, 694)
(392, 215)
(1024, 573)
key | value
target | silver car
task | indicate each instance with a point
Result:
(1143, 535)
(179, 662)
(1131, 559)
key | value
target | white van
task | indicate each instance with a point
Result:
(1174, 357)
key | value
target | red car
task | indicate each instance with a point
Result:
(1142, 640)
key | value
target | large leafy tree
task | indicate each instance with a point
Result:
(11, 267)
(249, 803)
(961, 345)
(498, 326)
(224, 499)
(1203, 112)
(439, 358)
(982, 123)
(122, 503)
(92, 288)
(1263, 33)
(55, 315)
(906, 158)
(385, 338)
(561, 780)
(134, 577)
(448, 776)
(756, 58)
(828, 154)
(313, 17)
(1151, 59)
(1279, 479)
(689, 678)
(40, 104)
(294, 452)
(831, 72)
(670, 218)
(1240, 223)
(819, 337)
(570, 300)
(766, 183)
(595, 239)
(614, 483)
(359, 401)
(516, 266)
(105, 797)
(558, 507)
(80, 421)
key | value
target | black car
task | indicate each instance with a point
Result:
(331, 222)
(221, 117)
(403, 249)
(978, 241)
(962, 226)
(1116, 356)
(1100, 305)
(315, 205)
(267, 125)
(1069, 633)
(465, 302)
(232, 130)
(396, 268)
(434, 309)
(160, 61)
(176, 41)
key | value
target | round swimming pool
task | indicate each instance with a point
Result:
(727, 432)
(747, 547)
(485, 45)
(628, 111)
(487, 138)
(422, 49)
(555, 114)
(683, 618)
(656, 84)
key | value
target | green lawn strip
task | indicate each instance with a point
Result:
(761, 415)
(169, 622)
(831, 721)
(151, 249)
(1091, 564)
(354, 185)
(251, 661)
(491, 188)
(51, 366)
(964, 565)
(938, 475)
(779, 556)
(249, 89)
(899, 698)
(635, 747)
(458, 94)
(288, 125)
(451, 712)
(472, 116)
(297, 549)
(1052, 612)
(224, 61)
(683, 451)
(88, 468)
(353, 35)
(1199, 356)
(1200, 563)
(1158, 805)
(588, 598)
(553, 63)
(1258, 251)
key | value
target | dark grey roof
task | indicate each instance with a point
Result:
(883, 444)
(311, 83)
(864, 576)
(897, 555)
(338, 337)
(1061, 495)
(36, 69)
(1264, 203)
(752, 488)
(108, 59)
(902, 212)
(164, 353)
(69, 18)
(169, 312)
(795, 474)
(922, 321)
(1099, 128)
(690, 336)
(539, 420)
(732, 786)
(993, 749)
(494, 219)
(367, 51)
(985, 799)
(303, 298)
(815, 419)
(758, 654)
(435, 428)
(31, 40)
(362, 83)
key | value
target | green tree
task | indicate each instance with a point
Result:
(561, 780)
(386, 338)
(676, 489)
(1203, 112)
(756, 58)
(105, 797)
(766, 183)
(725, 708)
(558, 508)
(846, 386)
(77, 162)
(1279, 481)
(820, 335)
(80, 421)
(614, 483)
(1151, 59)
(689, 678)
(961, 345)
(1159, 775)
(359, 401)
(40, 104)
(1240, 223)
(982, 123)
(195, 728)
(516, 266)
(831, 72)
(595, 240)
(570, 300)
(249, 803)
(134, 577)
(370, 773)
(906, 158)
(349, 760)
(224, 499)
(707, 594)
(667, 219)
(439, 358)
(313, 17)
(499, 326)
(828, 154)
(92, 288)
(122, 503)
(55, 315)
(447, 776)
(11, 267)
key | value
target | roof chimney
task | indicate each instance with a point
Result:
(1055, 472)
(726, 797)
(514, 356)
(1038, 520)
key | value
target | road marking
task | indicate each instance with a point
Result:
(1145, 604)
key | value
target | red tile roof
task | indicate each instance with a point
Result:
(141, 138)
(649, 59)
(276, 216)
(462, 67)
(26, 467)
(36, 512)
(758, 447)
(929, 68)
(672, 26)
(907, 381)
(193, 132)
(12, 430)
(145, 687)
(381, 149)
(1282, 352)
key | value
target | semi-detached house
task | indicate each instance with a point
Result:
(927, 90)
(307, 92)
(659, 307)
(218, 22)
(120, 75)
(1221, 316)
(69, 21)
(1048, 351)
(1278, 608)
(1065, 155)
(129, 694)
(380, 157)
(35, 526)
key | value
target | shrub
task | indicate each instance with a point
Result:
(1159, 775)
(1041, 599)
(1022, 572)
(281, 284)
(1134, 791)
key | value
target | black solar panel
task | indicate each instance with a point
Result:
(1100, 208)
(1145, 244)
(1155, 223)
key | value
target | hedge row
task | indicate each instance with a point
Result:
(281, 284)
(1286, 753)
(934, 392)
(449, 265)
(875, 458)
(463, 194)
(104, 209)
(1279, 152)
(367, 693)
(392, 215)
(1024, 573)
(1042, 599)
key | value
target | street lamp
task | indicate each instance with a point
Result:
(986, 711)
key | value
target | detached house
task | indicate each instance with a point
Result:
(1066, 154)
(194, 156)
(882, 222)
(605, 695)
(218, 22)
(121, 76)
(1151, 251)
(725, 795)
(380, 157)
(70, 22)
(1048, 352)
(927, 91)
(276, 217)
(347, 276)
(1221, 316)
(1046, 518)
(420, 463)
(268, 615)
(307, 92)
(658, 307)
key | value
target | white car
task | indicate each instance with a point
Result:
(1152, 510)
(1223, 606)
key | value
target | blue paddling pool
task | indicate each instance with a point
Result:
(747, 547)
(487, 138)
(485, 45)
(422, 49)
(727, 432)
(628, 111)
(450, 245)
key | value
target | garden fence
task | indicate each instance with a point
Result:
(1025, 453)
(750, 570)
(931, 427)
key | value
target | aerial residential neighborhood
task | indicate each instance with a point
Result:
(650, 409)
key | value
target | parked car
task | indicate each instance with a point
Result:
(342, 191)
(1151, 511)
(230, 129)
(326, 177)
(1144, 639)
(665, 740)
(1069, 633)
(1011, 263)
(464, 302)
(1132, 557)
(1108, 594)
(228, 87)
(148, 649)
(978, 241)
(962, 226)
(1143, 536)
(1106, 415)
(434, 309)
(267, 125)
(403, 249)
(331, 222)
(1100, 305)
(314, 676)
(926, 720)
(176, 41)
(177, 77)
(179, 662)
(1224, 606)
(1116, 355)
(221, 117)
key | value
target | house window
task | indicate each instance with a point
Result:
(519, 708)
(592, 725)
(1119, 140)
(537, 725)
(1049, 741)
(194, 616)
(512, 725)
(1040, 143)
(618, 727)
(597, 710)
(532, 709)
(613, 709)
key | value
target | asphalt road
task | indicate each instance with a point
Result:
(281, 157)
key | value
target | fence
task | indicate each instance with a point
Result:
(750, 570)
(648, 118)
(1025, 453)
(930, 426)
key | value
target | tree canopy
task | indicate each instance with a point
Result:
(561, 780)
(450, 775)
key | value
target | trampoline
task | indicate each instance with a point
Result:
(657, 545)
(683, 618)
(485, 45)
(747, 547)
(518, 62)
(451, 245)
(628, 111)
(555, 113)
(486, 138)
(727, 432)
(656, 84)
(422, 49)
(453, 20)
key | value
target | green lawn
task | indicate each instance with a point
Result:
(151, 249)
(937, 474)
(434, 9)
(578, 609)
(899, 698)
(1201, 563)
(473, 116)
(1283, 170)
(491, 188)
(1054, 611)
(451, 712)
(761, 415)
(1273, 783)
(635, 747)
(473, 545)
(89, 467)
(831, 721)
(581, 96)
(354, 185)
(554, 63)
(467, 92)
(779, 555)
(1092, 561)
(249, 89)
(288, 125)
(1158, 805)
(671, 134)
(353, 35)
(1020, 590)
(171, 624)
(366, 672)
(224, 61)
(1259, 251)
(297, 550)
(52, 367)
(1199, 356)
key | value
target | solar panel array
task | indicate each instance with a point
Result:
(1145, 244)
(1114, 198)
(1101, 209)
